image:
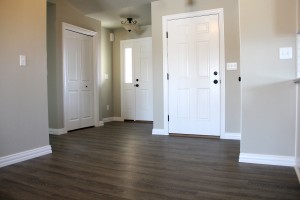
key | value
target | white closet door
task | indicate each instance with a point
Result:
(194, 84)
(79, 80)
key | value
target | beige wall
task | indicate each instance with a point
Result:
(232, 54)
(106, 68)
(298, 132)
(298, 19)
(65, 12)
(122, 34)
(268, 92)
(23, 102)
(51, 63)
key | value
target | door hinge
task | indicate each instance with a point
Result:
(168, 118)
(168, 76)
(167, 34)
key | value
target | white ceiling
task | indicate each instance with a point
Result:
(112, 12)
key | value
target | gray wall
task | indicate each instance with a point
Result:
(232, 49)
(106, 68)
(122, 34)
(65, 12)
(268, 93)
(23, 102)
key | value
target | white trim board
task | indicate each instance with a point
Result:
(226, 136)
(112, 119)
(159, 132)
(165, 19)
(288, 161)
(231, 136)
(57, 131)
(25, 155)
(297, 169)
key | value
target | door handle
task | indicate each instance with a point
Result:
(216, 81)
(215, 73)
(136, 85)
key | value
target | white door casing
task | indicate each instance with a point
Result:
(193, 64)
(80, 76)
(196, 92)
(137, 80)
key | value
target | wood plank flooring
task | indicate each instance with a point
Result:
(124, 161)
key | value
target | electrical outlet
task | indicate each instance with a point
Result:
(286, 53)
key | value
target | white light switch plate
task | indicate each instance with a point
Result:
(22, 60)
(231, 66)
(286, 53)
(106, 76)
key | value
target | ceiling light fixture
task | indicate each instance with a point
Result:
(129, 24)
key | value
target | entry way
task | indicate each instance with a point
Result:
(137, 80)
(194, 75)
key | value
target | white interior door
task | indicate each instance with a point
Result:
(79, 80)
(137, 103)
(194, 75)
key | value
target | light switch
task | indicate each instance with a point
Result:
(231, 66)
(106, 76)
(286, 53)
(22, 60)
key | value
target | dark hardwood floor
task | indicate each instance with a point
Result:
(124, 161)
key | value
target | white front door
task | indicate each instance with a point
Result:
(194, 75)
(78, 52)
(137, 94)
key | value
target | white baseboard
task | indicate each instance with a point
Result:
(113, 119)
(297, 169)
(57, 131)
(159, 132)
(101, 123)
(25, 155)
(288, 161)
(118, 119)
(231, 136)
(109, 119)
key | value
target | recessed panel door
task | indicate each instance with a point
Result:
(79, 80)
(143, 80)
(194, 83)
(137, 94)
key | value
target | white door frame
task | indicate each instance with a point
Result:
(122, 68)
(94, 35)
(165, 19)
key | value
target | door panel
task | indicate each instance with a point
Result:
(79, 80)
(193, 57)
(136, 57)
(128, 84)
(143, 73)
